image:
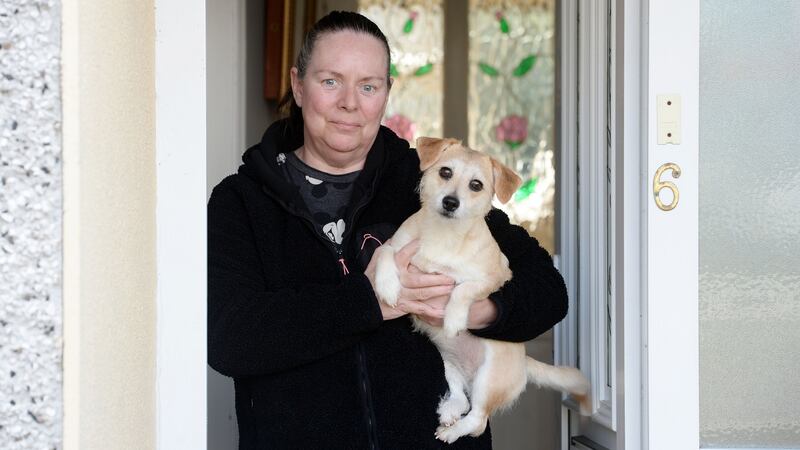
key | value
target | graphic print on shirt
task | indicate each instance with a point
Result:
(326, 196)
(313, 181)
(334, 231)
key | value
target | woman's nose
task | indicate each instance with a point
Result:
(348, 100)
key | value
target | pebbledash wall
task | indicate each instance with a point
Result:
(77, 225)
(30, 225)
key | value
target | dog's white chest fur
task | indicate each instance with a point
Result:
(439, 257)
(471, 256)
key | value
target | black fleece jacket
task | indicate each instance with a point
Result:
(314, 364)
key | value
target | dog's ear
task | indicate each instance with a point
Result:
(430, 149)
(506, 182)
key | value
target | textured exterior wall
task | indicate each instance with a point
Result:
(30, 225)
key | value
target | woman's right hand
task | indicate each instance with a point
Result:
(417, 286)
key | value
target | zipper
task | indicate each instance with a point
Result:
(366, 395)
(366, 390)
(309, 222)
(339, 253)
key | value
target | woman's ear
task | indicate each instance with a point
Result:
(506, 181)
(430, 149)
(297, 87)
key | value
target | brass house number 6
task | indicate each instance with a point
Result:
(658, 185)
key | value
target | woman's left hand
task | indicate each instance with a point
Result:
(482, 312)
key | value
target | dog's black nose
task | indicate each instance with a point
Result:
(450, 203)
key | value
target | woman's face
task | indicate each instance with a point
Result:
(343, 94)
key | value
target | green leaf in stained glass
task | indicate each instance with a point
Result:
(504, 25)
(408, 26)
(423, 70)
(513, 145)
(488, 70)
(526, 189)
(524, 66)
(393, 70)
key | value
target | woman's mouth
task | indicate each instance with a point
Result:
(348, 126)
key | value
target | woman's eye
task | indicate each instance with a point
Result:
(475, 185)
(445, 173)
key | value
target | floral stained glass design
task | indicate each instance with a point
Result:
(416, 38)
(511, 88)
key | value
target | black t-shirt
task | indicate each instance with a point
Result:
(326, 196)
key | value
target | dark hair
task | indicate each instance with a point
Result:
(333, 22)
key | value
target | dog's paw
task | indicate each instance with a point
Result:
(451, 409)
(448, 434)
(453, 324)
(585, 403)
(387, 285)
(389, 296)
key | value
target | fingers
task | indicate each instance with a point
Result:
(426, 292)
(403, 257)
(420, 309)
(423, 280)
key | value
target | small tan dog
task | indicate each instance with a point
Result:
(456, 191)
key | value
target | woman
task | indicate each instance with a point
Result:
(317, 362)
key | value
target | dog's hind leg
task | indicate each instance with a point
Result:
(497, 383)
(475, 422)
(455, 404)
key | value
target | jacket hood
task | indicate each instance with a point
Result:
(262, 161)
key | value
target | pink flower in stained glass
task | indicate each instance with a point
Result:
(513, 130)
(402, 126)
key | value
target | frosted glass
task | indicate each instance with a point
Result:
(749, 223)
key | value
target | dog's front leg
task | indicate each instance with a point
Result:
(387, 279)
(456, 313)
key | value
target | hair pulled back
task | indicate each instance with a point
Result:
(333, 22)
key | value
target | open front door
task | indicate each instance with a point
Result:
(700, 229)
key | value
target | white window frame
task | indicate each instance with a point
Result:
(586, 229)
(180, 84)
(627, 28)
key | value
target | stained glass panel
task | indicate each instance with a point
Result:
(416, 38)
(511, 88)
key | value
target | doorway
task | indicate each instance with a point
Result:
(492, 72)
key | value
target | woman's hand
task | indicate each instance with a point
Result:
(482, 312)
(417, 286)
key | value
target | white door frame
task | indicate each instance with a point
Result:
(671, 379)
(180, 81)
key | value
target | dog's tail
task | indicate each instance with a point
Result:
(561, 378)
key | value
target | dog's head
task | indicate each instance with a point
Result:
(459, 182)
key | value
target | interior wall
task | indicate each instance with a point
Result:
(237, 116)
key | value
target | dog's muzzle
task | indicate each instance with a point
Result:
(450, 203)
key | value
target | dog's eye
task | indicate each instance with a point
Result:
(475, 185)
(446, 173)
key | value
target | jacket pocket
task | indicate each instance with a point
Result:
(368, 239)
